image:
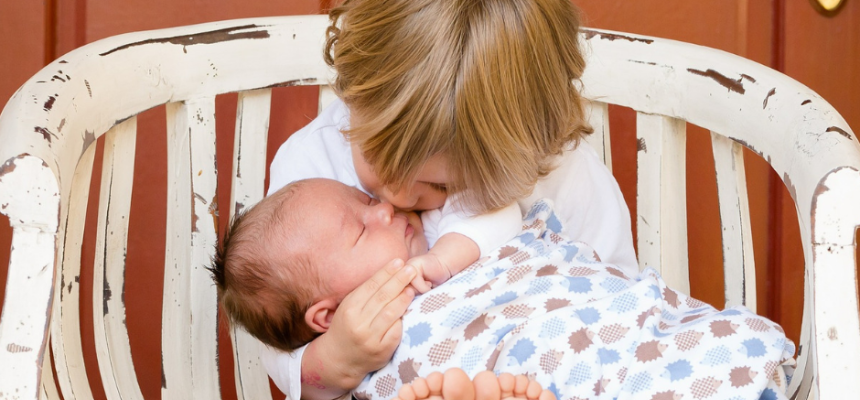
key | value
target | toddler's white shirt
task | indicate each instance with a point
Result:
(587, 199)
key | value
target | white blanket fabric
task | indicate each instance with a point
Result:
(547, 307)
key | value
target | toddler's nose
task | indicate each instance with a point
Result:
(404, 199)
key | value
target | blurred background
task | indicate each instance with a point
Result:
(819, 49)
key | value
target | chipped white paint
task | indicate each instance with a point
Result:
(836, 214)
(738, 260)
(190, 323)
(64, 107)
(49, 386)
(249, 174)
(176, 361)
(65, 323)
(662, 198)
(111, 336)
(598, 117)
(55, 116)
(204, 299)
(800, 135)
(33, 216)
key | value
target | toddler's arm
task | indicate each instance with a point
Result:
(362, 337)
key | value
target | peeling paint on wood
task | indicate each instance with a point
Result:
(46, 134)
(213, 211)
(747, 77)
(49, 103)
(89, 138)
(210, 37)
(840, 131)
(734, 85)
(614, 36)
(770, 93)
(106, 297)
(16, 348)
(9, 165)
(790, 186)
(294, 82)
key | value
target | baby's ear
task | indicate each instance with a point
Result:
(319, 315)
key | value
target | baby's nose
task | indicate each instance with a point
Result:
(383, 212)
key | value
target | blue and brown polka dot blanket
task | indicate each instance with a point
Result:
(547, 307)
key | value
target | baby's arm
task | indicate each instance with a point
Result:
(452, 253)
(462, 239)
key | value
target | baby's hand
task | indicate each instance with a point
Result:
(432, 272)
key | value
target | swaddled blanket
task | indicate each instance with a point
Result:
(547, 307)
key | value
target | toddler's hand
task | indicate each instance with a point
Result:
(366, 329)
(433, 272)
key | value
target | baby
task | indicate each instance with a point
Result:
(540, 305)
(288, 263)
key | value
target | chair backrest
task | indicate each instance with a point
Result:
(49, 126)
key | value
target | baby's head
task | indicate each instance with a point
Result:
(485, 85)
(285, 264)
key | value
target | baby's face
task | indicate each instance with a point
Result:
(354, 235)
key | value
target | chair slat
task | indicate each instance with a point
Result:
(49, 386)
(598, 117)
(327, 96)
(836, 321)
(111, 336)
(189, 319)
(832, 298)
(662, 204)
(31, 279)
(738, 260)
(249, 173)
(204, 236)
(65, 324)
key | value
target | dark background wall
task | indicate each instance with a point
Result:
(790, 36)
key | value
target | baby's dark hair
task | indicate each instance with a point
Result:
(264, 285)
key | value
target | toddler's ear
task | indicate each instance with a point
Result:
(319, 315)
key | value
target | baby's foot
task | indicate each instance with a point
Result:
(455, 385)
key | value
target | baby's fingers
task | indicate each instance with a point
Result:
(420, 285)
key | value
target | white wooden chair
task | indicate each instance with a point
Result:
(48, 128)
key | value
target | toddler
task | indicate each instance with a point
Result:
(464, 108)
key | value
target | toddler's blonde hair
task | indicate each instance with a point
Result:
(487, 83)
